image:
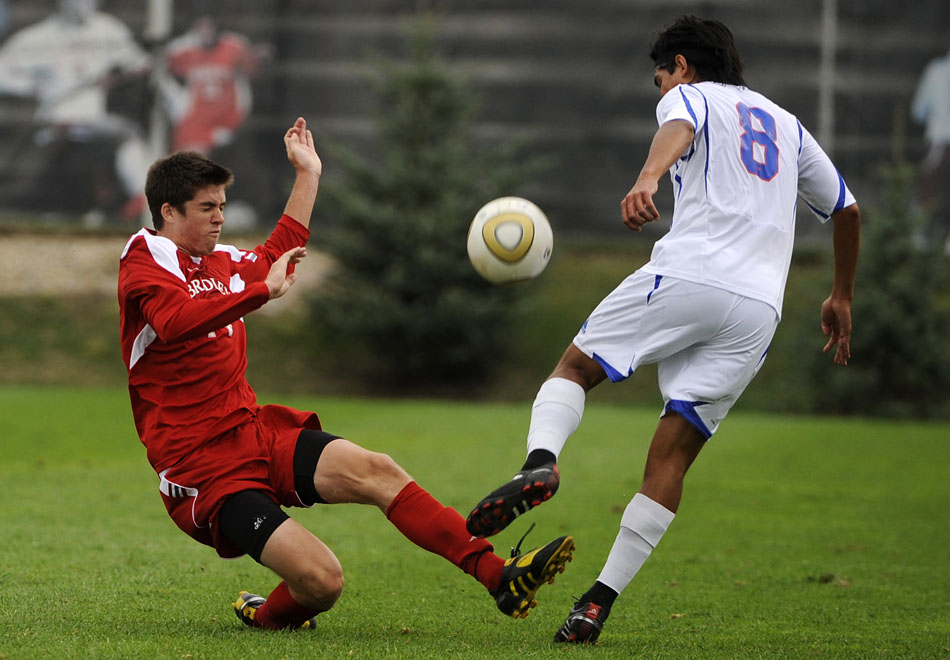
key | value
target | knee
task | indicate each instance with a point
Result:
(382, 467)
(384, 478)
(576, 366)
(319, 586)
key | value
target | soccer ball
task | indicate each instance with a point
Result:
(510, 240)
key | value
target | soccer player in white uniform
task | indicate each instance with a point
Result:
(705, 307)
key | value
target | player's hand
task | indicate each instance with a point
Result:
(836, 324)
(278, 279)
(637, 207)
(300, 150)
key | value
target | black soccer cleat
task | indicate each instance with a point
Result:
(524, 574)
(583, 624)
(247, 604)
(524, 491)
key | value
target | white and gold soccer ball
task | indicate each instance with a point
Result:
(510, 240)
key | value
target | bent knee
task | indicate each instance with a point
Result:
(384, 478)
(383, 466)
(577, 366)
(318, 587)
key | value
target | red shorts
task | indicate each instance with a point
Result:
(258, 455)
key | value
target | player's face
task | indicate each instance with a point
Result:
(666, 81)
(197, 230)
(663, 79)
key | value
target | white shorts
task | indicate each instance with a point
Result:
(707, 343)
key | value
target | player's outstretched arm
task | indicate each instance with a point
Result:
(670, 141)
(836, 310)
(303, 156)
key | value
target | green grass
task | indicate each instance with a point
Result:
(798, 537)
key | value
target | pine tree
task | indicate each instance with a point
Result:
(900, 364)
(414, 313)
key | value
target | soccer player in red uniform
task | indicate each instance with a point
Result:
(228, 465)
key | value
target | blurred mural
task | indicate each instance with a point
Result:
(91, 92)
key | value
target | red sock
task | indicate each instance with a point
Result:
(426, 522)
(281, 610)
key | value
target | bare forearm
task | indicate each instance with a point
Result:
(846, 241)
(301, 153)
(302, 197)
(669, 143)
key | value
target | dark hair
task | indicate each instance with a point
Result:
(175, 179)
(705, 43)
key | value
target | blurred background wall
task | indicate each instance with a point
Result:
(570, 77)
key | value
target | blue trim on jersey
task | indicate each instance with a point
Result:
(820, 214)
(706, 138)
(839, 204)
(801, 140)
(656, 285)
(692, 114)
(688, 410)
(690, 108)
(614, 375)
(841, 188)
(761, 359)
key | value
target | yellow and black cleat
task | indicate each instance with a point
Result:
(247, 604)
(524, 574)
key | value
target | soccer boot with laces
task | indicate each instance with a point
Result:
(583, 624)
(524, 491)
(247, 604)
(523, 575)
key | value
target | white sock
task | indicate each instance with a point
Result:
(642, 526)
(555, 415)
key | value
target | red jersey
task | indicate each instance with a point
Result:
(183, 337)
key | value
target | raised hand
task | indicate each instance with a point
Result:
(300, 150)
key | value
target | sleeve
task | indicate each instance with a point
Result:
(684, 103)
(819, 182)
(167, 307)
(286, 235)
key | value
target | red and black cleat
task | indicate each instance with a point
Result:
(583, 624)
(523, 492)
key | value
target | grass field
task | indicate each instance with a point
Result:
(798, 537)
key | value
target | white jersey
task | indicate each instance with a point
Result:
(736, 189)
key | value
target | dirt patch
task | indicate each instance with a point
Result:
(53, 265)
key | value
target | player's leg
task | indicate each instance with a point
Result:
(346, 472)
(555, 414)
(559, 406)
(312, 575)
(607, 345)
(675, 445)
(700, 383)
